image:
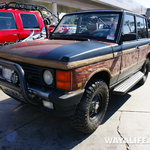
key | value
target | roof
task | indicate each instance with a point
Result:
(104, 11)
(92, 11)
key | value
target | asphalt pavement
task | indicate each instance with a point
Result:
(125, 126)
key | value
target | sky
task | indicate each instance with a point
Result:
(145, 3)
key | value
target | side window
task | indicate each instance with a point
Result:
(129, 24)
(141, 27)
(7, 21)
(29, 21)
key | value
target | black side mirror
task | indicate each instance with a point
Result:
(129, 37)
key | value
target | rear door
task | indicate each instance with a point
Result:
(30, 25)
(8, 28)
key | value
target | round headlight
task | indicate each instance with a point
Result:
(48, 77)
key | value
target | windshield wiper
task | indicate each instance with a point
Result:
(76, 37)
(70, 37)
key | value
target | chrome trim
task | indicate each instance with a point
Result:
(39, 93)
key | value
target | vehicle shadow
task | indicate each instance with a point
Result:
(23, 127)
(114, 105)
(116, 102)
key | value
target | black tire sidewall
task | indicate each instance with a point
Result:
(102, 90)
(81, 119)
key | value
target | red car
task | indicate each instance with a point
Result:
(16, 24)
(20, 21)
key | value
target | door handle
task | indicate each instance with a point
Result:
(14, 34)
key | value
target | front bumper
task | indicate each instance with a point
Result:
(64, 104)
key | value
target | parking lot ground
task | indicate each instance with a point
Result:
(125, 126)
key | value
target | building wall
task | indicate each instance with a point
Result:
(76, 5)
(129, 5)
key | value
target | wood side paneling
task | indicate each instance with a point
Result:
(83, 74)
(143, 51)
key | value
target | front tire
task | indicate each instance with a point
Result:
(92, 108)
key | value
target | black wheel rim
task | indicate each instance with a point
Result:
(95, 106)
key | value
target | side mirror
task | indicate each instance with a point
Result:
(129, 37)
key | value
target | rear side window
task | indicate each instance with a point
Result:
(7, 21)
(29, 21)
(141, 27)
(129, 24)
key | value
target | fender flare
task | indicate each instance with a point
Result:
(96, 72)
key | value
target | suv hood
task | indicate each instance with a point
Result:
(62, 51)
(37, 48)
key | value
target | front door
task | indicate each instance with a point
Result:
(130, 51)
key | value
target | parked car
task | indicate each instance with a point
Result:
(20, 22)
(90, 55)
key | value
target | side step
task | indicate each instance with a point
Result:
(125, 86)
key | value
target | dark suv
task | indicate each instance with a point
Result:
(90, 55)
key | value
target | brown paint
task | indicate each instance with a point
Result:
(84, 74)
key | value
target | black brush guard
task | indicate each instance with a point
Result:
(23, 86)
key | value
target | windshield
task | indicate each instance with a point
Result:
(90, 25)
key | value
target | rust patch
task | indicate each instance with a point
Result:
(129, 58)
(143, 52)
(83, 74)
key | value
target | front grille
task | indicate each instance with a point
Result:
(32, 73)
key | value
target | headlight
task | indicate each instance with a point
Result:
(48, 77)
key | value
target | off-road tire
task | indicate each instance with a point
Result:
(92, 108)
(145, 70)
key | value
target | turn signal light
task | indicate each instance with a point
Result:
(63, 80)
